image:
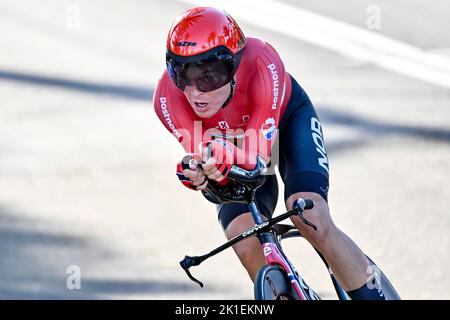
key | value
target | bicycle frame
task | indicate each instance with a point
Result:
(272, 251)
(274, 255)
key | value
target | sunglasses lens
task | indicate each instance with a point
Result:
(205, 75)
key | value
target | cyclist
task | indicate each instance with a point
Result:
(235, 94)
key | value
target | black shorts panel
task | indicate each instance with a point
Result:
(302, 147)
(266, 199)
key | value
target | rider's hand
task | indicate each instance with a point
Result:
(217, 156)
(192, 175)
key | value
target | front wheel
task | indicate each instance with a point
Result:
(388, 289)
(272, 283)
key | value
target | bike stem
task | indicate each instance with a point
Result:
(263, 237)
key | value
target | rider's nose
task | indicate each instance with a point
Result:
(196, 93)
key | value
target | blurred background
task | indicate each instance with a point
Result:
(90, 207)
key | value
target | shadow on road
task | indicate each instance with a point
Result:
(117, 90)
(331, 116)
(327, 115)
(33, 264)
(373, 130)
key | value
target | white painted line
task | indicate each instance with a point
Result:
(338, 36)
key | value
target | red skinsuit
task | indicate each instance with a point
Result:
(262, 91)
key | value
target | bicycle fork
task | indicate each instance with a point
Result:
(274, 256)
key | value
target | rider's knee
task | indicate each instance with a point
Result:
(321, 237)
(248, 251)
(319, 216)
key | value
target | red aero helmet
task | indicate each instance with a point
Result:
(204, 48)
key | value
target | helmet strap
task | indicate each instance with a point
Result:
(232, 84)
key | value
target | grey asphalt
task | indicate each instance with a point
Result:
(87, 171)
(424, 24)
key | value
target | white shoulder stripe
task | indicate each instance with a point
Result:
(282, 94)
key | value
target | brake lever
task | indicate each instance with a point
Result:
(301, 205)
(305, 221)
(188, 262)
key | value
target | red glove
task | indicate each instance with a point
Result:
(223, 153)
(189, 161)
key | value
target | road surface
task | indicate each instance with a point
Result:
(87, 171)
